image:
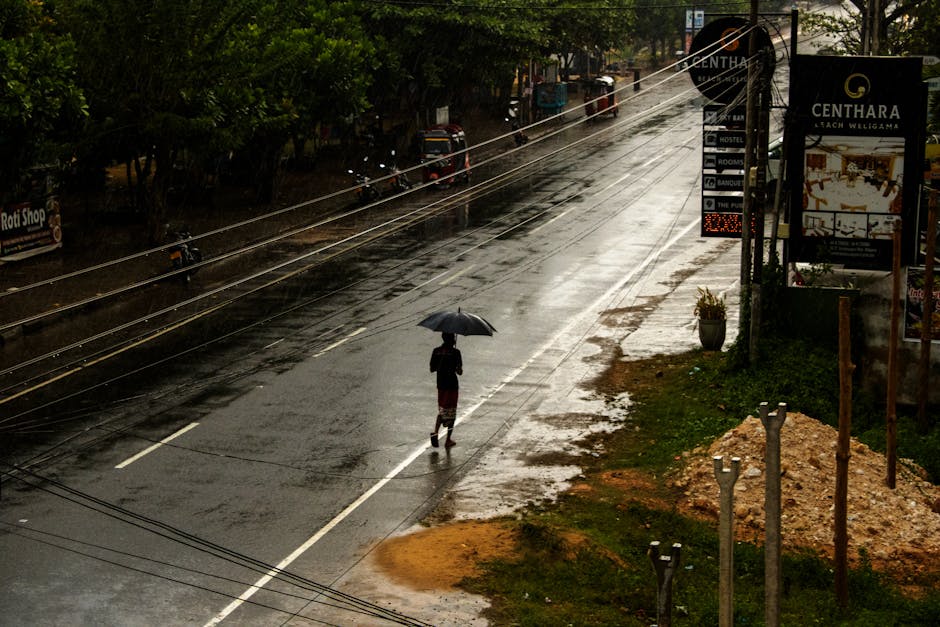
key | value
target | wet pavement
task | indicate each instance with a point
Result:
(316, 422)
(650, 318)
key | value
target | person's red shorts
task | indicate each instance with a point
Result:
(447, 405)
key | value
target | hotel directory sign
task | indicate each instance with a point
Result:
(723, 142)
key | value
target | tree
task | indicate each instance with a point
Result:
(907, 27)
(658, 25)
(40, 103)
(183, 82)
(438, 53)
(591, 30)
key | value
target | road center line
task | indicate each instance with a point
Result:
(150, 449)
(341, 342)
(457, 275)
(544, 224)
(247, 594)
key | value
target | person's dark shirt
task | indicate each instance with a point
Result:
(447, 363)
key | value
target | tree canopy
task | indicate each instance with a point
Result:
(40, 101)
(170, 85)
(906, 27)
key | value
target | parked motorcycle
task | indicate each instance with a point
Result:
(365, 190)
(398, 182)
(518, 136)
(184, 253)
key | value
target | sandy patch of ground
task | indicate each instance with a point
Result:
(440, 557)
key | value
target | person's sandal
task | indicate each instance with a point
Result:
(449, 443)
(434, 440)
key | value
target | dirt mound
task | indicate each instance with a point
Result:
(898, 530)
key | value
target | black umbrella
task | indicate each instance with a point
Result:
(459, 322)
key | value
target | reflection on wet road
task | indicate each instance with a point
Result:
(286, 430)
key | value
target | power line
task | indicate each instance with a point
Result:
(192, 541)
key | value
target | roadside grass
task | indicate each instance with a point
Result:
(583, 560)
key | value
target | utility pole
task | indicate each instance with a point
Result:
(866, 28)
(750, 179)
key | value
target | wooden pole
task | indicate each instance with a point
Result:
(923, 391)
(891, 444)
(840, 525)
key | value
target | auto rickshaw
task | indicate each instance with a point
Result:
(599, 96)
(437, 147)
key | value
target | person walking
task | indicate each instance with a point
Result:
(447, 363)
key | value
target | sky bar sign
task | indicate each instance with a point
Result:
(856, 158)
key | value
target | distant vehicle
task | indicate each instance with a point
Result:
(550, 98)
(365, 190)
(444, 154)
(399, 181)
(518, 136)
(599, 96)
(184, 253)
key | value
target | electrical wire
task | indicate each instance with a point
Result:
(713, 48)
(192, 541)
(212, 293)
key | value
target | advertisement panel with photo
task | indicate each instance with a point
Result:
(860, 126)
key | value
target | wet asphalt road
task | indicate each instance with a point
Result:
(303, 441)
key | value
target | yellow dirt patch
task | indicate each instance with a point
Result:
(440, 557)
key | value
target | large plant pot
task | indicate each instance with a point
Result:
(712, 334)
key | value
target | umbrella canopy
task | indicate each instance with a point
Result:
(459, 322)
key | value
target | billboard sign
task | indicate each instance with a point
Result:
(856, 158)
(914, 306)
(718, 58)
(32, 225)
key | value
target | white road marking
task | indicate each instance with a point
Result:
(272, 344)
(150, 449)
(457, 275)
(341, 342)
(544, 224)
(247, 594)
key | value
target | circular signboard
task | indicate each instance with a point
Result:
(718, 58)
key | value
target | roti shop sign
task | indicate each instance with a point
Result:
(718, 58)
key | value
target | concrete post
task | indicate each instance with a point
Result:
(772, 423)
(726, 479)
(665, 567)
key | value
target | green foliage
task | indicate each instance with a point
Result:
(904, 28)
(434, 53)
(170, 81)
(40, 103)
(709, 306)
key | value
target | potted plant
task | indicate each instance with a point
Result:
(712, 316)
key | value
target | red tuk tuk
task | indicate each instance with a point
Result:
(599, 96)
(437, 147)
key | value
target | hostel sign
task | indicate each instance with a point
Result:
(856, 158)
